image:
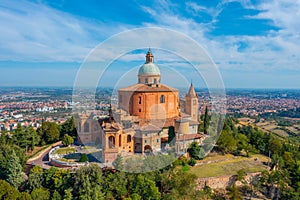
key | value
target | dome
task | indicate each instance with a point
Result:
(149, 69)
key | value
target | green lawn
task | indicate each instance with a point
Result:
(219, 165)
(65, 150)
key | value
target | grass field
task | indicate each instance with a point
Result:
(293, 129)
(271, 126)
(219, 165)
(280, 132)
(65, 150)
(297, 126)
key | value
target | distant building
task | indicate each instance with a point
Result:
(141, 121)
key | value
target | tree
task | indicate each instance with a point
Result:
(288, 159)
(275, 146)
(26, 138)
(5, 139)
(118, 163)
(69, 127)
(48, 180)
(233, 192)
(35, 178)
(7, 191)
(226, 142)
(14, 171)
(88, 182)
(48, 132)
(116, 185)
(24, 196)
(135, 196)
(145, 187)
(243, 144)
(19, 128)
(33, 137)
(57, 179)
(295, 177)
(56, 196)
(19, 137)
(183, 185)
(192, 162)
(277, 161)
(195, 151)
(6, 151)
(277, 182)
(84, 158)
(68, 194)
(67, 140)
(40, 194)
(206, 120)
(256, 138)
(60, 179)
(241, 174)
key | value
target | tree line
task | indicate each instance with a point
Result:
(49, 132)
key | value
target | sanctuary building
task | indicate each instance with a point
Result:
(149, 118)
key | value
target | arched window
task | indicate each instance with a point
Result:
(155, 80)
(146, 80)
(194, 102)
(86, 127)
(162, 99)
(148, 148)
(140, 100)
(120, 140)
(128, 138)
(111, 141)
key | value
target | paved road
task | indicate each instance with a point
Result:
(43, 161)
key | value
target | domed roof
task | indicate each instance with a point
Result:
(149, 69)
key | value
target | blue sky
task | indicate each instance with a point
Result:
(255, 44)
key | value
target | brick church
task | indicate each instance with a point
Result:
(145, 115)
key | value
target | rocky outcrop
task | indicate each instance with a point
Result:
(222, 182)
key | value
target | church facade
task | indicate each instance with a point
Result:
(147, 112)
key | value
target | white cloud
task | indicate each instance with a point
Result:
(34, 32)
(263, 53)
(284, 13)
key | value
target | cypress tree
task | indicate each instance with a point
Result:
(206, 120)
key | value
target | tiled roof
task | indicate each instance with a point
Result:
(146, 88)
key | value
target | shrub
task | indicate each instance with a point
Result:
(84, 158)
(192, 162)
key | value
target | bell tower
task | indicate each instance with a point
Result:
(191, 104)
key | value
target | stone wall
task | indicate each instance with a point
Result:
(222, 182)
(41, 153)
(54, 160)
